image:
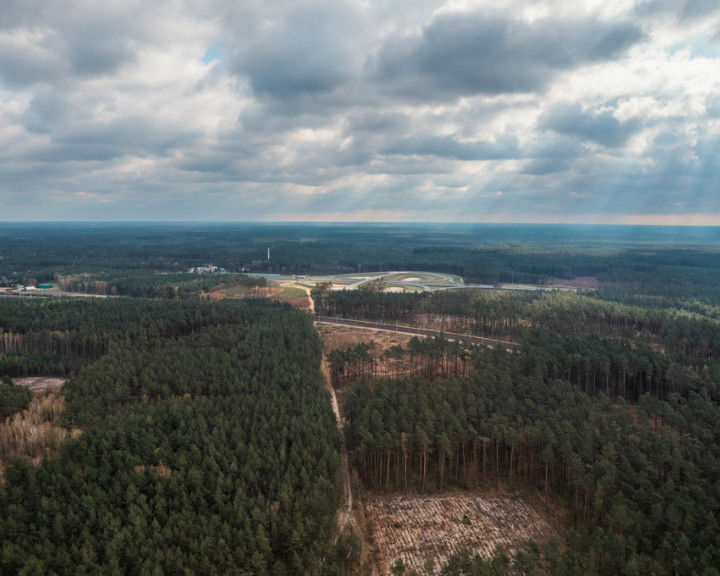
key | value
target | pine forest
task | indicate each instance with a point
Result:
(553, 410)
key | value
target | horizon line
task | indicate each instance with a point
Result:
(621, 224)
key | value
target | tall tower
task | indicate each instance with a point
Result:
(268, 254)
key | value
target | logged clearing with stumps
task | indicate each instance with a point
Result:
(419, 528)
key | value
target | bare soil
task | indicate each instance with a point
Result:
(345, 513)
(280, 291)
(416, 528)
(41, 385)
(337, 336)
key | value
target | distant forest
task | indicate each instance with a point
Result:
(643, 265)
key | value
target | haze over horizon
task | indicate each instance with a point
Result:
(599, 112)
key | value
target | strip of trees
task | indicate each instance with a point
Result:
(520, 316)
(435, 357)
(13, 398)
(58, 336)
(149, 284)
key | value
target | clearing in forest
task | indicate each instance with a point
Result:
(41, 385)
(294, 294)
(339, 336)
(436, 527)
(32, 434)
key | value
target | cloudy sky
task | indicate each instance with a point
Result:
(369, 110)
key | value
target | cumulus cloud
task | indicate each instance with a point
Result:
(599, 126)
(465, 54)
(448, 147)
(343, 107)
(307, 51)
(57, 42)
(28, 57)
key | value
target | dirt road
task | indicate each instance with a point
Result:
(312, 302)
(415, 331)
(345, 514)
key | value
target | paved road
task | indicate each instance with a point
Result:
(414, 330)
(53, 294)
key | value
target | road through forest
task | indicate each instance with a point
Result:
(373, 325)
(345, 515)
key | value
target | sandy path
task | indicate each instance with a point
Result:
(345, 515)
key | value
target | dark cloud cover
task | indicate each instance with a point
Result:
(53, 42)
(601, 127)
(22, 66)
(306, 52)
(448, 147)
(466, 54)
(552, 153)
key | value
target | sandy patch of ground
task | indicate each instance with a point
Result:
(395, 289)
(41, 384)
(412, 279)
(421, 527)
(293, 293)
(336, 336)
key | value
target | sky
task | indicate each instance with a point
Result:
(592, 111)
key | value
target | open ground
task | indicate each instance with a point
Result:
(290, 292)
(418, 528)
(41, 385)
(338, 336)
